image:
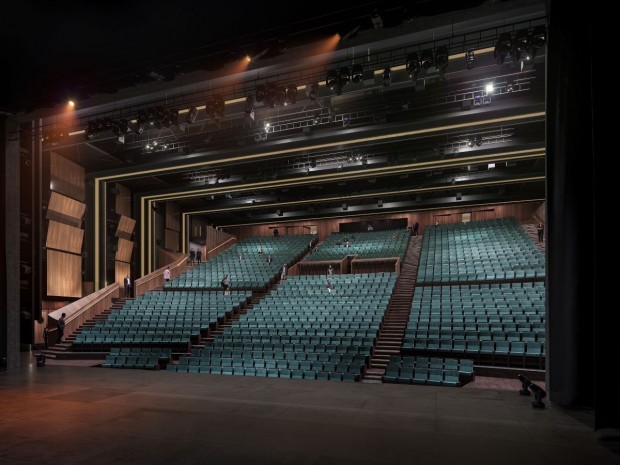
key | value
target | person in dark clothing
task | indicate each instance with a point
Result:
(127, 282)
(269, 258)
(225, 283)
(61, 328)
(199, 256)
(192, 256)
(541, 232)
(416, 227)
(276, 233)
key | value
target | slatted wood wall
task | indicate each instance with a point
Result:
(172, 233)
(523, 211)
(65, 235)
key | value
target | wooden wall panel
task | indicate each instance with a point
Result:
(65, 210)
(64, 237)
(124, 250)
(171, 240)
(122, 269)
(522, 211)
(64, 274)
(214, 237)
(67, 178)
(173, 216)
(123, 200)
(125, 227)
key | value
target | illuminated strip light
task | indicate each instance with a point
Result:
(408, 210)
(372, 195)
(339, 176)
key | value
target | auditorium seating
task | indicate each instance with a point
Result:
(160, 319)
(145, 358)
(252, 271)
(501, 323)
(302, 331)
(491, 250)
(371, 244)
(433, 371)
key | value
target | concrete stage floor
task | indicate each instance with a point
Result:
(78, 415)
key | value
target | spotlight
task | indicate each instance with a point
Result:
(413, 65)
(89, 134)
(71, 103)
(478, 140)
(261, 92)
(521, 45)
(358, 73)
(350, 158)
(377, 21)
(332, 79)
(489, 88)
(312, 90)
(539, 395)
(267, 126)
(441, 59)
(502, 48)
(313, 164)
(291, 94)
(539, 35)
(387, 77)
(191, 115)
(470, 142)
(426, 61)
(249, 107)
(345, 207)
(380, 203)
(279, 212)
(344, 76)
(280, 96)
(469, 59)
(317, 117)
(270, 96)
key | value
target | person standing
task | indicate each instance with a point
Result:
(416, 227)
(330, 286)
(127, 283)
(61, 328)
(225, 283)
(276, 233)
(192, 255)
(260, 250)
(330, 271)
(283, 273)
(541, 232)
(199, 256)
(269, 258)
(167, 274)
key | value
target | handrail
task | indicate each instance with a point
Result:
(156, 278)
(210, 252)
(78, 312)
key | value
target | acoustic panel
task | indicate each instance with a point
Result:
(171, 240)
(64, 274)
(173, 216)
(123, 253)
(122, 269)
(125, 227)
(65, 210)
(67, 178)
(123, 200)
(64, 237)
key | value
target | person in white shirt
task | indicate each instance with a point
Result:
(283, 274)
(330, 270)
(330, 286)
(167, 274)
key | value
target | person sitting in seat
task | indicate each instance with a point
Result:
(330, 286)
(226, 284)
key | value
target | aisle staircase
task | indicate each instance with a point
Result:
(532, 230)
(390, 337)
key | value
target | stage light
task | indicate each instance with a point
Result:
(312, 90)
(426, 60)
(380, 203)
(358, 73)
(270, 96)
(313, 164)
(267, 126)
(331, 79)
(291, 94)
(502, 48)
(469, 59)
(376, 19)
(521, 46)
(249, 107)
(248, 58)
(280, 96)
(470, 142)
(491, 166)
(539, 37)
(489, 88)
(89, 134)
(387, 77)
(527, 386)
(413, 65)
(261, 92)
(71, 103)
(279, 212)
(344, 75)
(345, 207)
(441, 59)
(350, 158)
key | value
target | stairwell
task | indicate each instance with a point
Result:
(64, 349)
(390, 337)
(532, 230)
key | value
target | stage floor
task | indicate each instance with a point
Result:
(80, 415)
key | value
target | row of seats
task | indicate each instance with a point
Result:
(351, 359)
(476, 347)
(304, 365)
(371, 244)
(478, 251)
(243, 264)
(132, 361)
(511, 336)
(364, 349)
(422, 370)
(268, 373)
